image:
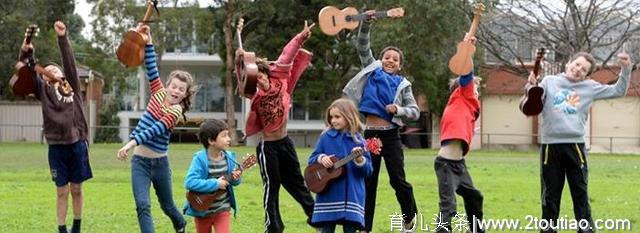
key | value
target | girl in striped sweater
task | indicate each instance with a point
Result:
(150, 140)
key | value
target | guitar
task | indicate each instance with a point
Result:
(461, 63)
(131, 50)
(22, 83)
(318, 177)
(332, 20)
(246, 69)
(531, 103)
(202, 201)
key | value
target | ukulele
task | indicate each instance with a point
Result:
(318, 177)
(531, 103)
(22, 83)
(202, 201)
(246, 69)
(332, 20)
(131, 49)
(461, 63)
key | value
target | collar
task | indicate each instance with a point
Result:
(335, 133)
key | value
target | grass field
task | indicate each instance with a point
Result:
(509, 182)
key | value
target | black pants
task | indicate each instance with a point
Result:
(279, 165)
(558, 161)
(394, 162)
(453, 177)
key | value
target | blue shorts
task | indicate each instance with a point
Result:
(70, 163)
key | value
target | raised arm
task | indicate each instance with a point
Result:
(68, 59)
(363, 46)
(285, 60)
(620, 87)
(150, 60)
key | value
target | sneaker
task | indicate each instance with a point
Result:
(182, 229)
(406, 228)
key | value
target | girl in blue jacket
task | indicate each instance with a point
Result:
(207, 175)
(342, 202)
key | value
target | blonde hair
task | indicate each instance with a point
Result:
(350, 113)
(191, 89)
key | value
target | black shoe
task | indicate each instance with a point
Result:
(183, 228)
(62, 229)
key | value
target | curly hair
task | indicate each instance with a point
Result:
(190, 91)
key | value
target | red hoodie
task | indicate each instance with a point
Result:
(460, 115)
(270, 108)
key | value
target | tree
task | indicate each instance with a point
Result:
(270, 24)
(517, 27)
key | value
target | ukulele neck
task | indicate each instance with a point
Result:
(474, 25)
(364, 16)
(344, 160)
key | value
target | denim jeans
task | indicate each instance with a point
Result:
(156, 171)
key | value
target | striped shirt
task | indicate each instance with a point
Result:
(154, 128)
(218, 169)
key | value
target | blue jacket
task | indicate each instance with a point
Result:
(344, 197)
(196, 180)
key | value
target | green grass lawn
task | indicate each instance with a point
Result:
(509, 182)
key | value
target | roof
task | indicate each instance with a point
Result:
(498, 80)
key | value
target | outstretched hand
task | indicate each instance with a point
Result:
(60, 28)
(145, 30)
(26, 47)
(307, 28)
(624, 59)
(532, 78)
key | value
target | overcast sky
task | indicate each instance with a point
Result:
(84, 9)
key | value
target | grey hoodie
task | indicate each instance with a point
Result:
(567, 103)
(404, 99)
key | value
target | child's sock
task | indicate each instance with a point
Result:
(62, 229)
(76, 226)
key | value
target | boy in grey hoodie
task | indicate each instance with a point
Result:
(568, 97)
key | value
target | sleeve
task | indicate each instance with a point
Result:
(410, 107)
(318, 150)
(363, 46)
(69, 63)
(285, 61)
(618, 89)
(194, 181)
(166, 123)
(365, 169)
(235, 167)
(151, 65)
(467, 86)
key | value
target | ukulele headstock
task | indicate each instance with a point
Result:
(240, 25)
(31, 31)
(478, 9)
(249, 161)
(540, 53)
(396, 12)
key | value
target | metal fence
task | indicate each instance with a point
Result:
(490, 141)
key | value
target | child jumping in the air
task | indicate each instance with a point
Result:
(206, 174)
(342, 202)
(270, 107)
(385, 98)
(64, 127)
(456, 131)
(150, 163)
(568, 98)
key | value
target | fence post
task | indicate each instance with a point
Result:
(610, 145)
(488, 141)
